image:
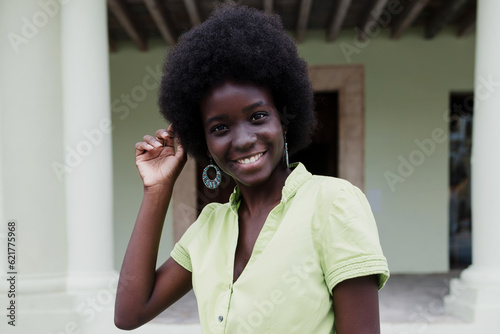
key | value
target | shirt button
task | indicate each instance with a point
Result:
(221, 318)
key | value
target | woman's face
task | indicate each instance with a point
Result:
(243, 132)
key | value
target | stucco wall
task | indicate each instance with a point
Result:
(134, 89)
(408, 83)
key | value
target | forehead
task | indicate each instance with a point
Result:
(231, 95)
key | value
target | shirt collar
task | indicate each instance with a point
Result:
(294, 181)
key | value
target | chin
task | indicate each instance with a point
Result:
(254, 179)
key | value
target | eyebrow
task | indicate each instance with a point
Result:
(253, 105)
(216, 118)
(244, 109)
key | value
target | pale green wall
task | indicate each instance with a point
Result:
(128, 70)
(408, 83)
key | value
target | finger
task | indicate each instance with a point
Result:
(169, 139)
(142, 147)
(170, 136)
(170, 130)
(161, 135)
(152, 141)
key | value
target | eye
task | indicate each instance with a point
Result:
(218, 128)
(258, 116)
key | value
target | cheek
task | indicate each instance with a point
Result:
(274, 140)
(277, 135)
(217, 146)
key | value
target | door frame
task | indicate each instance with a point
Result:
(349, 82)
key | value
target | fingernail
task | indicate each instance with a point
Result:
(165, 133)
(149, 146)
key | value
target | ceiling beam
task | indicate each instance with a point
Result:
(304, 11)
(268, 6)
(123, 15)
(159, 16)
(442, 17)
(372, 14)
(468, 24)
(193, 13)
(337, 19)
(406, 18)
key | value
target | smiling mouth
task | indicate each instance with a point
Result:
(249, 160)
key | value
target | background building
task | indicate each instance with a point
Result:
(78, 88)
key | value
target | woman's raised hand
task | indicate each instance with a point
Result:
(157, 160)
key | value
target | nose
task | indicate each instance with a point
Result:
(244, 138)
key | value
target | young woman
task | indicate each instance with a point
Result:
(290, 252)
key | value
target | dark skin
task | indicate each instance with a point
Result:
(241, 122)
(245, 139)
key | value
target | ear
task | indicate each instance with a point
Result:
(284, 128)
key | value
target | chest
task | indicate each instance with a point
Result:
(252, 275)
(249, 229)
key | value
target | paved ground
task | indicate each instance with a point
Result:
(416, 298)
(405, 298)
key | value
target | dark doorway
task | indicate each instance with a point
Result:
(321, 157)
(461, 108)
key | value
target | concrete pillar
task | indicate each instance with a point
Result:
(31, 142)
(476, 295)
(87, 138)
(55, 166)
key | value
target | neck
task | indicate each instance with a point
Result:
(265, 195)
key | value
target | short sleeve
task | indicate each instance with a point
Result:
(347, 239)
(180, 252)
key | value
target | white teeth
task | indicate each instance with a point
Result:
(251, 159)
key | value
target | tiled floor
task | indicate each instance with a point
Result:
(405, 298)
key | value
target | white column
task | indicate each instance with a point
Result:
(87, 139)
(31, 142)
(476, 295)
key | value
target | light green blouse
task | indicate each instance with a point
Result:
(321, 233)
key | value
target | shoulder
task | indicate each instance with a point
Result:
(333, 183)
(213, 211)
(212, 216)
(210, 209)
(336, 201)
(332, 189)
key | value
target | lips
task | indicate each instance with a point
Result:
(251, 159)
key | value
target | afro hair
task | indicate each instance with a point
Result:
(241, 44)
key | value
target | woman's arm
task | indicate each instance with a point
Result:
(355, 305)
(144, 292)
